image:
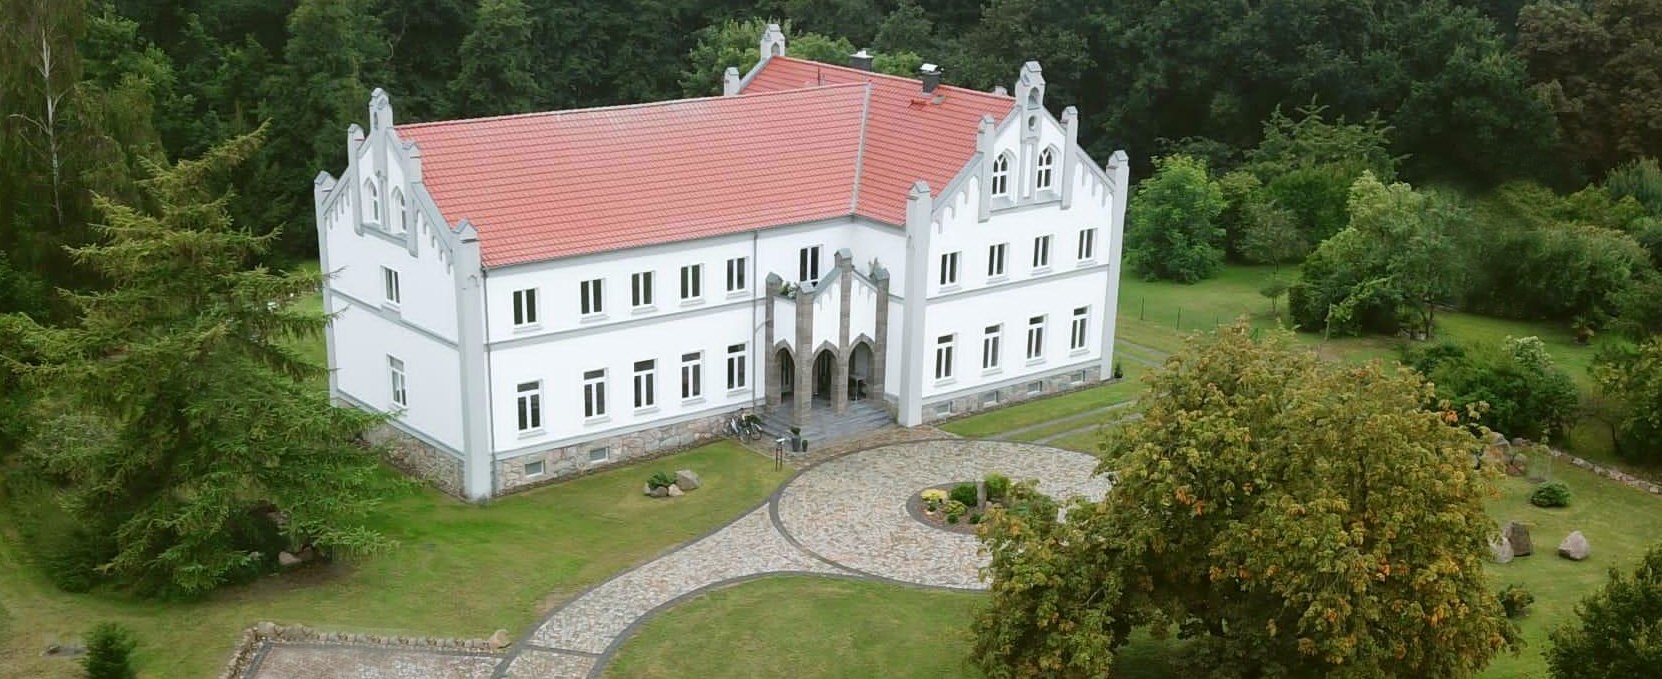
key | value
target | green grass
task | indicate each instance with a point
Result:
(458, 569)
(1040, 411)
(806, 628)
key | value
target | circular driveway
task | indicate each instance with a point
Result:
(851, 510)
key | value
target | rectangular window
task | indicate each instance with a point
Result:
(600, 455)
(692, 281)
(646, 383)
(1081, 323)
(640, 289)
(529, 406)
(534, 468)
(736, 360)
(594, 298)
(1041, 252)
(525, 307)
(1036, 337)
(395, 369)
(736, 268)
(995, 260)
(389, 280)
(943, 357)
(1035, 388)
(808, 261)
(989, 346)
(594, 393)
(692, 375)
(949, 269)
(1087, 245)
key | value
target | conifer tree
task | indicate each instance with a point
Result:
(496, 58)
(210, 433)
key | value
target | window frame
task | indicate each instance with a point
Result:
(808, 262)
(949, 269)
(594, 394)
(640, 289)
(374, 199)
(391, 291)
(1087, 244)
(1000, 182)
(591, 297)
(692, 376)
(1044, 174)
(1041, 252)
(945, 346)
(399, 381)
(992, 339)
(525, 308)
(692, 282)
(1079, 329)
(738, 271)
(738, 365)
(542, 468)
(528, 407)
(997, 260)
(1036, 337)
(646, 384)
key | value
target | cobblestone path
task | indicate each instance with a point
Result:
(845, 516)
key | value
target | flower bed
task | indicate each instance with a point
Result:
(955, 506)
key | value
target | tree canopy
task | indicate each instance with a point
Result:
(1614, 633)
(1174, 232)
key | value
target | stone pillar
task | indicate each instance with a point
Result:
(880, 347)
(1070, 126)
(478, 470)
(770, 355)
(845, 292)
(919, 215)
(803, 393)
(984, 146)
(1119, 168)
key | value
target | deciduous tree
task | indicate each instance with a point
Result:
(1614, 633)
(1174, 232)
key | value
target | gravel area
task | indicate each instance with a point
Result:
(284, 661)
(852, 510)
(538, 664)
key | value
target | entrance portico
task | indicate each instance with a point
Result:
(828, 339)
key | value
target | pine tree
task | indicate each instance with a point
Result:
(210, 432)
(495, 77)
(109, 652)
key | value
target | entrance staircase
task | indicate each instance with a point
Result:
(822, 425)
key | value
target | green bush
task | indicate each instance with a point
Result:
(1553, 494)
(955, 510)
(998, 487)
(1515, 600)
(661, 479)
(965, 493)
(1528, 395)
(109, 652)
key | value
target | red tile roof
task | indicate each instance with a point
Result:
(791, 149)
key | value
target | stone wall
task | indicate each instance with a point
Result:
(569, 461)
(1012, 394)
(266, 632)
(419, 459)
(1616, 475)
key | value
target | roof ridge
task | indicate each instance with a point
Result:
(860, 151)
(620, 107)
(888, 76)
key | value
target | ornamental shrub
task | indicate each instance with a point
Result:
(661, 479)
(1515, 600)
(109, 652)
(955, 510)
(998, 487)
(965, 494)
(1553, 494)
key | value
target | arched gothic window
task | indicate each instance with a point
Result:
(1047, 165)
(373, 199)
(1001, 175)
(398, 210)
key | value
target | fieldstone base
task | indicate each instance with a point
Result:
(416, 458)
(1043, 385)
(566, 462)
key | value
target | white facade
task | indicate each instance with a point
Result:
(501, 365)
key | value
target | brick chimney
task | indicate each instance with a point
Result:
(930, 74)
(860, 60)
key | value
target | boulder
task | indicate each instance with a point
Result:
(675, 491)
(1518, 534)
(646, 489)
(1501, 550)
(659, 492)
(685, 479)
(287, 560)
(1574, 547)
(500, 640)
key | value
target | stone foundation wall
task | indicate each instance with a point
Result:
(416, 458)
(1012, 394)
(569, 461)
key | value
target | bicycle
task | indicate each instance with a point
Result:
(744, 426)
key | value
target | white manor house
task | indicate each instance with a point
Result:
(534, 296)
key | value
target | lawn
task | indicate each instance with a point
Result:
(812, 628)
(1044, 410)
(458, 569)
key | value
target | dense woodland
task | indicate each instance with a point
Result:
(156, 159)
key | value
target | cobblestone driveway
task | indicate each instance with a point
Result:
(844, 517)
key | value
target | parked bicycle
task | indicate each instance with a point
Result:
(745, 426)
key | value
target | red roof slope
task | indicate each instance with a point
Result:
(791, 149)
(548, 185)
(909, 135)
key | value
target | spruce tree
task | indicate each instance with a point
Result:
(211, 432)
(495, 76)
